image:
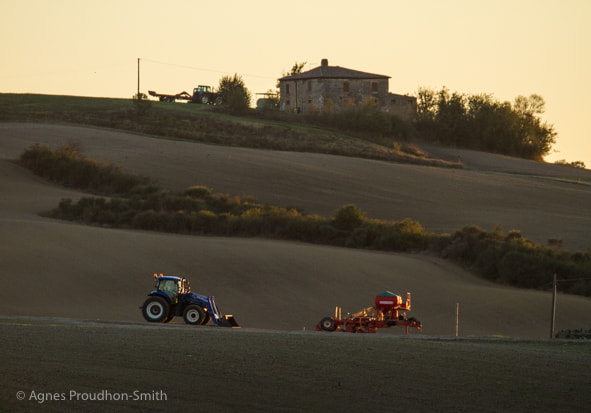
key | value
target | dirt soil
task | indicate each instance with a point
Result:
(278, 291)
(63, 365)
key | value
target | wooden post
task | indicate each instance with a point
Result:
(457, 317)
(138, 77)
(553, 317)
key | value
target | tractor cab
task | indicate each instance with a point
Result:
(202, 89)
(171, 286)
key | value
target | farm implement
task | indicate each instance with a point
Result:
(172, 297)
(384, 314)
(201, 94)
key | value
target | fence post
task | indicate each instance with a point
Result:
(553, 317)
(457, 317)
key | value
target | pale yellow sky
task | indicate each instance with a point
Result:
(504, 47)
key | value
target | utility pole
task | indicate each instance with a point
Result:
(553, 307)
(138, 77)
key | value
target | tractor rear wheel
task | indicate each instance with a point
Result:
(155, 309)
(194, 315)
(327, 324)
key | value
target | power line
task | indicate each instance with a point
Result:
(566, 280)
(204, 69)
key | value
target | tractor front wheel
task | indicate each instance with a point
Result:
(194, 315)
(206, 319)
(155, 309)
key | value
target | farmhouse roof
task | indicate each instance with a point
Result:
(324, 71)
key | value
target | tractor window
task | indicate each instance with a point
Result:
(169, 287)
(185, 288)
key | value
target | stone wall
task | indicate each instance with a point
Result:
(302, 93)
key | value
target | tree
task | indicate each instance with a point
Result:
(426, 104)
(451, 118)
(536, 137)
(142, 104)
(534, 105)
(236, 95)
(295, 69)
(481, 122)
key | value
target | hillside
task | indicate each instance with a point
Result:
(69, 309)
(256, 279)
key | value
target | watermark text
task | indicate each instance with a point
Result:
(100, 395)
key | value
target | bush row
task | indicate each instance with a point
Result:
(67, 167)
(508, 259)
(577, 334)
(505, 258)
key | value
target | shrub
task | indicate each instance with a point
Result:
(66, 166)
(348, 217)
(576, 334)
(236, 96)
(203, 222)
(521, 269)
(142, 105)
(198, 191)
(148, 220)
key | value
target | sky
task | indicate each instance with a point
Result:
(505, 48)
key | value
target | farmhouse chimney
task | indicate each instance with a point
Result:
(324, 62)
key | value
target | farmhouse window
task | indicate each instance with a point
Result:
(345, 86)
(374, 86)
(287, 89)
(309, 86)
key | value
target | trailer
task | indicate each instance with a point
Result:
(170, 98)
(386, 312)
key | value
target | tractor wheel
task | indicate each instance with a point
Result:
(194, 315)
(155, 309)
(327, 324)
(205, 99)
(219, 100)
(206, 319)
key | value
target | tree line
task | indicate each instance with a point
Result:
(484, 123)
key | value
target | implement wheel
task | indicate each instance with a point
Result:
(328, 324)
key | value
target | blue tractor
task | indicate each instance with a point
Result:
(172, 297)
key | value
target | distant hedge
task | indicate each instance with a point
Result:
(67, 167)
(576, 334)
(136, 203)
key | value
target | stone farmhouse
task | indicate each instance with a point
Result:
(334, 88)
